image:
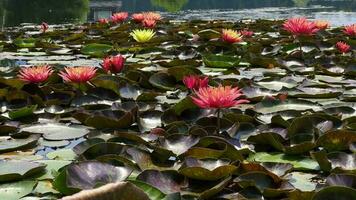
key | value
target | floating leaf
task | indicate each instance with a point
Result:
(17, 170)
(96, 50)
(16, 190)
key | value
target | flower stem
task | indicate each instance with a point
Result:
(218, 121)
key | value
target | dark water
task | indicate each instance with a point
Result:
(15, 12)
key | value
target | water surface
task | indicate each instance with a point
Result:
(15, 12)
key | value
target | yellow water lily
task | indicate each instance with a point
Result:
(142, 35)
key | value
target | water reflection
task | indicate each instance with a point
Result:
(14, 12)
(169, 5)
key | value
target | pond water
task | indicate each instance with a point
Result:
(15, 12)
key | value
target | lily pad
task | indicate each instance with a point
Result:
(25, 42)
(17, 170)
(8, 145)
(298, 162)
(16, 190)
(96, 50)
(166, 181)
(57, 131)
(221, 61)
(88, 175)
(207, 169)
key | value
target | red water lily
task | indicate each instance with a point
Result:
(152, 16)
(138, 17)
(35, 74)
(218, 97)
(322, 24)
(119, 17)
(114, 64)
(350, 30)
(231, 36)
(247, 33)
(103, 21)
(343, 47)
(44, 27)
(79, 74)
(300, 27)
(149, 23)
(195, 81)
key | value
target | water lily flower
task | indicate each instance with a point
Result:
(44, 27)
(142, 35)
(152, 16)
(350, 30)
(35, 74)
(247, 33)
(79, 74)
(119, 17)
(231, 36)
(103, 21)
(300, 27)
(343, 47)
(149, 23)
(114, 64)
(195, 82)
(138, 17)
(322, 24)
(218, 97)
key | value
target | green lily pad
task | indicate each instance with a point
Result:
(207, 169)
(163, 81)
(23, 112)
(335, 192)
(16, 190)
(166, 181)
(298, 162)
(152, 192)
(25, 42)
(57, 131)
(17, 170)
(221, 61)
(88, 175)
(8, 145)
(96, 50)
(337, 140)
(62, 154)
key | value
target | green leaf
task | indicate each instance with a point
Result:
(16, 190)
(298, 162)
(221, 61)
(152, 192)
(22, 112)
(25, 42)
(96, 50)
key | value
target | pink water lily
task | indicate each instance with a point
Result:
(35, 74)
(44, 27)
(149, 23)
(114, 64)
(300, 27)
(195, 81)
(343, 47)
(350, 30)
(247, 33)
(231, 36)
(218, 97)
(322, 24)
(103, 21)
(119, 17)
(79, 74)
